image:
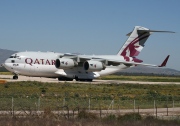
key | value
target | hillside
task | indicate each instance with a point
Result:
(150, 70)
(4, 54)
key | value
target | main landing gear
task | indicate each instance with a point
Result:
(64, 79)
(88, 80)
(15, 77)
(78, 79)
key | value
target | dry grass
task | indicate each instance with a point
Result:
(142, 78)
(125, 120)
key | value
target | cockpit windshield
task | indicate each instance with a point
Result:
(14, 56)
(11, 57)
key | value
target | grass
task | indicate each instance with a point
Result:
(57, 95)
(47, 97)
(142, 78)
(6, 73)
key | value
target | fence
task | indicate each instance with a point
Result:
(71, 106)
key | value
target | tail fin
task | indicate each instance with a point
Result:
(135, 43)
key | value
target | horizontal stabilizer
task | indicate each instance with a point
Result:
(143, 31)
(164, 62)
(155, 31)
(142, 64)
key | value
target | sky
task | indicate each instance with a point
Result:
(90, 26)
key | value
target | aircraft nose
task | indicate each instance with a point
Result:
(6, 61)
(7, 64)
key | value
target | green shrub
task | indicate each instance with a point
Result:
(6, 85)
(48, 113)
(110, 117)
(43, 90)
(149, 118)
(129, 117)
(86, 115)
(76, 95)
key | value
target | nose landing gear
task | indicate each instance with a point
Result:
(15, 77)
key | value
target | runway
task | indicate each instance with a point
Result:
(8, 78)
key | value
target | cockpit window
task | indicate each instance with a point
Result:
(11, 57)
(14, 56)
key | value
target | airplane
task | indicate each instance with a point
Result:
(69, 66)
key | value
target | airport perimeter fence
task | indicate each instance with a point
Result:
(69, 107)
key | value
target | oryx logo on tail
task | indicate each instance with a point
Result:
(135, 43)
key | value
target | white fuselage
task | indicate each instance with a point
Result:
(42, 64)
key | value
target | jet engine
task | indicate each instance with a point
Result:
(63, 63)
(91, 65)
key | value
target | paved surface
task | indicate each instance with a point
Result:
(8, 78)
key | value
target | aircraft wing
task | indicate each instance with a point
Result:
(77, 58)
(163, 64)
(81, 58)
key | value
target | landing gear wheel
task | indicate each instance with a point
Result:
(76, 78)
(90, 80)
(64, 79)
(15, 77)
(69, 79)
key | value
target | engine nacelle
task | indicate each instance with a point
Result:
(91, 65)
(63, 63)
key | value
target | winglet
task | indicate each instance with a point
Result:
(164, 62)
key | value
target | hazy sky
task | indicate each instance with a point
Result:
(90, 26)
